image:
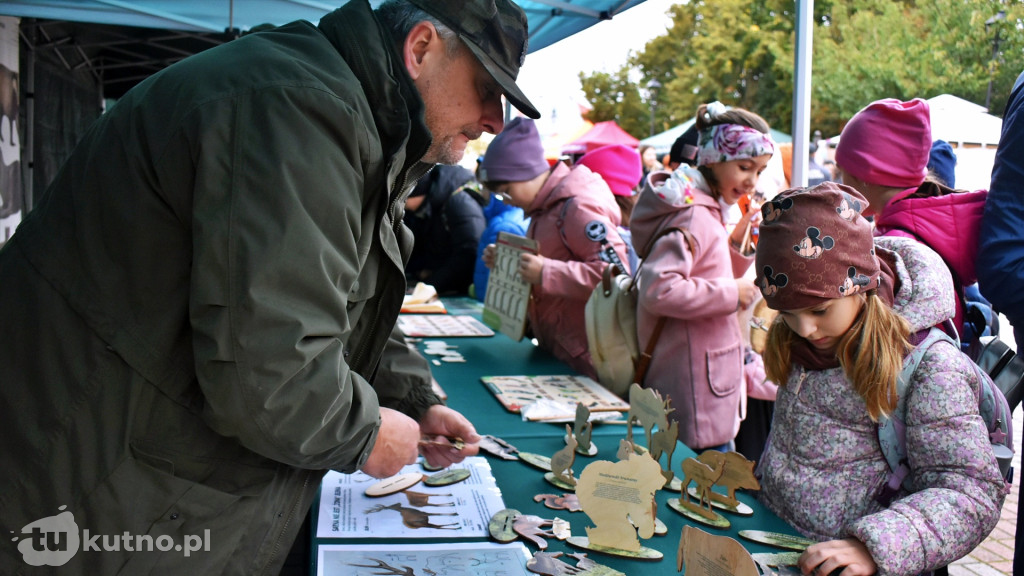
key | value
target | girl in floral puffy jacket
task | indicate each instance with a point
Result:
(697, 285)
(850, 310)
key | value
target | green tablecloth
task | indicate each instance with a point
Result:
(519, 482)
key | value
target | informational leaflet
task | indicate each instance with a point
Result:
(508, 295)
(460, 510)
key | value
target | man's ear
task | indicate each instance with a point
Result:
(421, 42)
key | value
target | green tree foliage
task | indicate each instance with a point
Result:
(741, 52)
(615, 97)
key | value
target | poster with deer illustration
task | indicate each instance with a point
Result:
(460, 510)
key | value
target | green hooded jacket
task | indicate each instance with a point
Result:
(198, 315)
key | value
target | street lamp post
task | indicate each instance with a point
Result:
(652, 96)
(1001, 15)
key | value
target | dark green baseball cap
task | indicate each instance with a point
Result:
(496, 33)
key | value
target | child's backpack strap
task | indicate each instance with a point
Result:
(892, 430)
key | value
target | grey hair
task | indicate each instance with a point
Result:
(400, 16)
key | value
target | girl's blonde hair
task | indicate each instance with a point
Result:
(705, 120)
(871, 353)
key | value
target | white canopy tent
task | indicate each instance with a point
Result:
(972, 132)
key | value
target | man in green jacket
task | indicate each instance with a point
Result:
(199, 314)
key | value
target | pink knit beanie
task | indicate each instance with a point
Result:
(887, 143)
(515, 155)
(619, 165)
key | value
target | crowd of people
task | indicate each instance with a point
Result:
(208, 292)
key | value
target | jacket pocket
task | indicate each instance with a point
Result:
(725, 369)
(163, 514)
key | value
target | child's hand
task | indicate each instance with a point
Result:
(530, 267)
(847, 557)
(488, 255)
(747, 291)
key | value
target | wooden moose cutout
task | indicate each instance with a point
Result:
(647, 408)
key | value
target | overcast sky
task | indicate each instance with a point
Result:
(603, 47)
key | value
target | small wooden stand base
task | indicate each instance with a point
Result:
(675, 485)
(722, 503)
(644, 553)
(550, 477)
(703, 516)
(536, 460)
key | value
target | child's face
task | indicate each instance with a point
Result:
(823, 325)
(519, 194)
(737, 178)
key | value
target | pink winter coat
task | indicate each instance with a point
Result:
(574, 217)
(698, 361)
(946, 220)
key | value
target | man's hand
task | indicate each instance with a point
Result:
(849, 555)
(440, 423)
(397, 444)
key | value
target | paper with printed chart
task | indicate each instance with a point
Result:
(508, 296)
(459, 510)
(450, 559)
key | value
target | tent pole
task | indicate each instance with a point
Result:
(802, 90)
(28, 146)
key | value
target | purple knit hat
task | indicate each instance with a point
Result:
(515, 155)
(814, 245)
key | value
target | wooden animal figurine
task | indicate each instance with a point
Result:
(423, 499)
(584, 428)
(648, 408)
(626, 447)
(704, 477)
(738, 473)
(664, 442)
(416, 518)
(562, 461)
(532, 528)
(619, 498)
(705, 554)
(564, 502)
(548, 564)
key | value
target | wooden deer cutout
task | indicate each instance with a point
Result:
(664, 442)
(705, 477)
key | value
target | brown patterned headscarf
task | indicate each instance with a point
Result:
(815, 246)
